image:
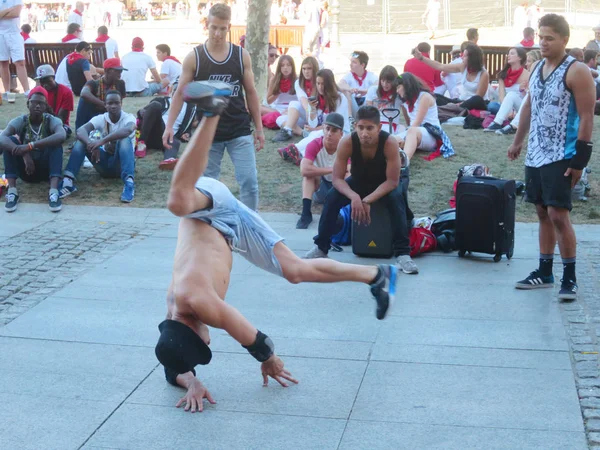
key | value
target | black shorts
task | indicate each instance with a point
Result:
(548, 186)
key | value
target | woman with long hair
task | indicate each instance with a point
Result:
(293, 122)
(281, 91)
(384, 96)
(512, 85)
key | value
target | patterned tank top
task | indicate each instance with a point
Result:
(554, 118)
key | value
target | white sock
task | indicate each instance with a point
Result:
(129, 180)
(12, 190)
(67, 182)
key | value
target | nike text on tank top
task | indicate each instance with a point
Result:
(235, 120)
(371, 172)
(554, 118)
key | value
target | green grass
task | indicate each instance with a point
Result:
(280, 182)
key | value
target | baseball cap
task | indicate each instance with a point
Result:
(38, 90)
(113, 63)
(137, 43)
(179, 348)
(335, 120)
(43, 71)
(455, 48)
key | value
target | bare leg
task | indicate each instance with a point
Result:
(266, 110)
(309, 186)
(22, 75)
(321, 270)
(567, 242)
(412, 142)
(547, 234)
(292, 121)
(54, 182)
(5, 74)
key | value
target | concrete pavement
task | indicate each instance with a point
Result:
(463, 361)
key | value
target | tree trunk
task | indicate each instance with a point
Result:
(257, 42)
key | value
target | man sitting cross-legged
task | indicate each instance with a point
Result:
(31, 146)
(111, 154)
(317, 166)
(60, 97)
(214, 223)
(374, 175)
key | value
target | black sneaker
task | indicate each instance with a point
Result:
(384, 290)
(493, 127)
(54, 202)
(282, 135)
(11, 202)
(568, 290)
(304, 222)
(508, 129)
(536, 280)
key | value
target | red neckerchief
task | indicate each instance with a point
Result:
(322, 105)
(512, 76)
(358, 79)
(285, 85)
(308, 87)
(102, 38)
(411, 105)
(25, 35)
(387, 96)
(426, 55)
(172, 58)
(72, 57)
(527, 43)
(69, 37)
(137, 50)
(77, 12)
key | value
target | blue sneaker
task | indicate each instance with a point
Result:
(65, 191)
(536, 280)
(212, 97)
(128, 192)
(384, 289)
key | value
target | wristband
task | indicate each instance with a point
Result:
(263, 347)
(583, 153)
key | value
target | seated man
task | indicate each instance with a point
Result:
(91, 103)
(215, 223)
(576, 53)
(79, 69)
(431, 77)
(60, 97)
(170, 70)
(74, 34)
(317, 166)
(356, 83)
(137, 64)
(25, 32)
(528, 38)
(31, 146)
(374, 175)
(111, 154)
(589, 59)
(112, 47)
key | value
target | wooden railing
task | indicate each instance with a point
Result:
(281, 36)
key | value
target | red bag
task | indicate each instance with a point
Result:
(269, 120)
(421, 241)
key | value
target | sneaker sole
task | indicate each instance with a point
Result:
(13, 209)
(527, 287)
(414, 272)
(55, 209)
(568, 297)
(126, 201)
(170, 166)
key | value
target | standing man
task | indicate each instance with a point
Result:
(76, 16)
(11, 44)
(558, 114)
(220, 60)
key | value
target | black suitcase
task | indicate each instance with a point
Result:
(374, 240)
(485, 216)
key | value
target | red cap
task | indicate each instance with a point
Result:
(38, 90)
(113, 63)
(137, 43)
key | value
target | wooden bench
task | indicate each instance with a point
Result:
(494, 57)
(54, 53)
(281, 36)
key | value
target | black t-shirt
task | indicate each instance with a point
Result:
(371, 172)
(76, 76)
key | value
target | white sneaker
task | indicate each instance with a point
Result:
(315, 252)
(87, 163)
(406, 264)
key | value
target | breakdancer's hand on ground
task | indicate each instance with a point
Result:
(194, 397)
(273, 367)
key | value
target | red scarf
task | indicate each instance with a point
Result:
(308, 87)
(512, 76)
(322, 104)
(358, 79)
(527, 43)
(285, 85)
(25, 35)
(77, 12)
(69, 37)
(387, 96)
(172, 58)
(102, 38)
(72, 57)
(140, 50)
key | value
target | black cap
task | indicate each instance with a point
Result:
(335, 120)
(179, 348)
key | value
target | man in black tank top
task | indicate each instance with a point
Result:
(219, 60)
(374, 176)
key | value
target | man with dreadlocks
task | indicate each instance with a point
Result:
(31, 146)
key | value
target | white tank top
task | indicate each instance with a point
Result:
(431, 116)
(469, 88)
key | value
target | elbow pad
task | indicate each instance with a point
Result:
(263, 347)
(583, 153)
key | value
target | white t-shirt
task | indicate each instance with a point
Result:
(111, 47)
(137, 65)
(75, 18)
(342, 108)
(10, 25)
(62, 77)
(172, 69)
(431, 116)
(30, 41)
(370, 80)
(453, 81)
(103, 123)
(382, 104)
(179, 119)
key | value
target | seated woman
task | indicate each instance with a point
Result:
(384, 96)
(533, 58)
(475, 79)
(421, 116)
(512, 84)
(293, 122)
(281, 91)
